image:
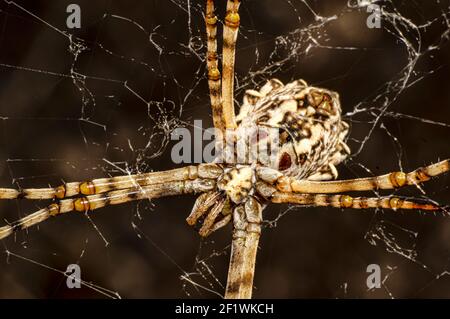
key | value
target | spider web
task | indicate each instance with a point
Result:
(103, 100)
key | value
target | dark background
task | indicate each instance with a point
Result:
(54, 128)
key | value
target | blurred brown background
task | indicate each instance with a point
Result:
(55, 129)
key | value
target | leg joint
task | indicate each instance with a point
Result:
(232, 20)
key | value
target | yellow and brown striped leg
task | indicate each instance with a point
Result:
(102, 185)
(33, 193)
(388, 181)
(230, 31)
(247, 230)
(346, 201)
(93, 202)
(213, 67)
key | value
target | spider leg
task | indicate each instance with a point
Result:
(202, 204)
(32, 193)
(247, 229)
(211, 217)
(387, 181)
(230, 32)
(103, 185)
(346, 201)
(221, 223)
(93, 202)
(226, 217)
(213, 67)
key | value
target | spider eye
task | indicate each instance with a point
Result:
(285, 162)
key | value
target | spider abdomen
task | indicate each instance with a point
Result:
(310, 134)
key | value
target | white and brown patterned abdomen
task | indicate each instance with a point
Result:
(308, 122)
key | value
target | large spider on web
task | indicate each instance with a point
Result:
(310, 144)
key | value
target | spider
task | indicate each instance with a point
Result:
(311, 143)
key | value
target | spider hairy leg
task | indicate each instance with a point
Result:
(205, 230)
(247, 230)
(387, 181)
(213, 66)
(230, 31)
(103, 185)
(346, 201)
(202, 204)
(234, 185)
(227, 216)
(33, 193)
(221, 223)
(93, 202)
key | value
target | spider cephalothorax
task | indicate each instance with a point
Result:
(305, 124)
